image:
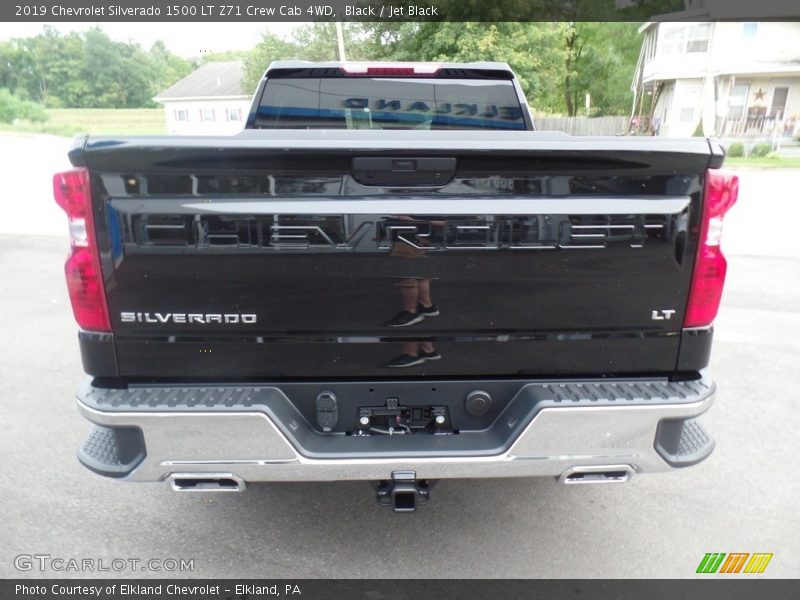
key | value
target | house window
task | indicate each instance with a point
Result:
(234, 114)
(680, 39)
(737, 101)
(688, 103)
(778, 102)
(697, 37)
(749, 30)
(671, 40)
(182, 115)
(207, 114)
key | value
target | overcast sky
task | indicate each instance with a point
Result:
(184, 39)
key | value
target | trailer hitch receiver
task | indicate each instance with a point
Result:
(403, 492)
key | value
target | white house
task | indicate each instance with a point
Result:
(733, 79)
(209, 101)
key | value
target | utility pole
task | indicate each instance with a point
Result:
(340, 40)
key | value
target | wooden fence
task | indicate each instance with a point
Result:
(583, 125)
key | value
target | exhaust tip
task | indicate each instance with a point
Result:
(597, 474)
(206, 482)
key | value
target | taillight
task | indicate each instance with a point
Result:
(708, 277)
(390, 69)
(84, 277)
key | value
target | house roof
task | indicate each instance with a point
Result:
(726, 10)
(212, 80)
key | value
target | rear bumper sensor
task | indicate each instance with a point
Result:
(572, 430)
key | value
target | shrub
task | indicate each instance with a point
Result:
(773, 155)
(760, 150)
(736, 149)
(13, 108)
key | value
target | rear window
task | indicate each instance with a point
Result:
(388, 103)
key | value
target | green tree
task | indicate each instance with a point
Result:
(13, 108)
(117, 73)
(166, 68)
(46, 67)
(530, 48)
(556, 63)
(314, 42)
(87, 70)
(10, 59)
(271, 47)
(599, 59)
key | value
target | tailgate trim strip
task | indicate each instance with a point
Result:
(457, 205)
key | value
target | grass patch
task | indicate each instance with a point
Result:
(788, 162)
(96, 121)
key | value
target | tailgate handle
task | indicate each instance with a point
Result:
(405, 171)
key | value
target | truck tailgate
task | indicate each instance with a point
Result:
(260, 256)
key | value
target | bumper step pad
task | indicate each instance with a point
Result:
(683, 443)
(112, 451)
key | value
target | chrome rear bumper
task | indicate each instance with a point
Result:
(154, 433)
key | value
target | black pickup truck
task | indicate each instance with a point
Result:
(389, 276)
